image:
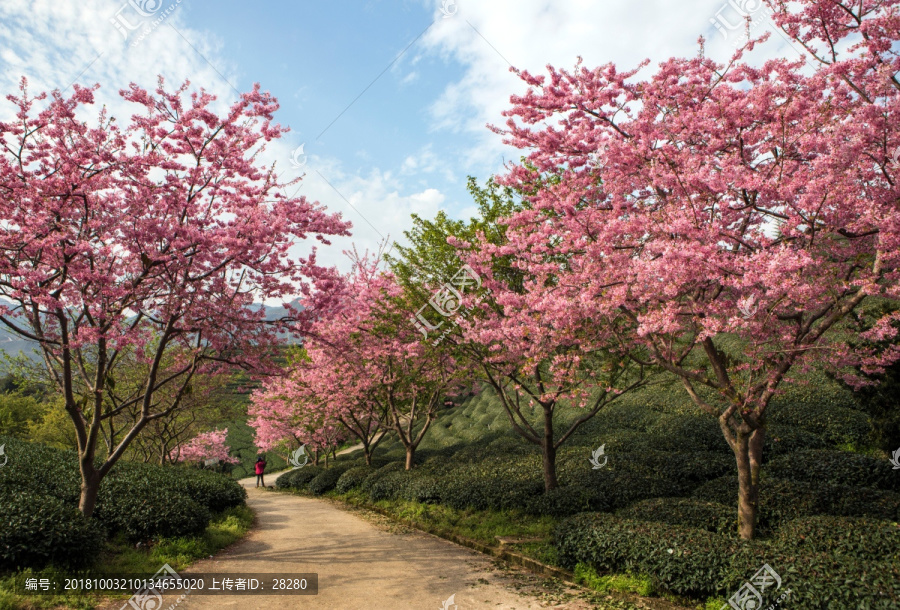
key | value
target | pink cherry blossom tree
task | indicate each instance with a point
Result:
(150, 234)
(285, 414)
(734, 214)
(553, 361)
(344, 397)
(205, 446)
(369, 367)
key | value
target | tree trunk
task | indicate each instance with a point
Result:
(748, 453)
(316, 457)
(90, 487)
(548, 451)
(368, 455)
(410, 453)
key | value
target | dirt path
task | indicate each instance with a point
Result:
(364, 563)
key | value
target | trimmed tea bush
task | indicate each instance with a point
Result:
(39, 529)
(562, 502)
(42, 469)
(694, 562)
(818, 580)
(687, 433)
(327, 479)
(687, 512)
(835, 424)
(781, 500)
(142, 510)
(861, 538)
(835, 467)
(389, 486)
(683, 560)
(210, 489)
(424, 488)
(142, 501)
(617, 487)
(784, 439)
(385, 470)
(352, 478)
(298, 477)
(621, 415)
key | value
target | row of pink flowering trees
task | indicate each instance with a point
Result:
(363, 369)
(716, 223)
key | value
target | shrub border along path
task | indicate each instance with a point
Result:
(613, 599)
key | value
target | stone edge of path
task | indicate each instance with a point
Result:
(523, 561)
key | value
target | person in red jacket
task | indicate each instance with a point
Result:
(260, 469)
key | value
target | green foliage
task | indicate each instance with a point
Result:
(826, 410)
(836, 468)
(784, 439)
(856, 569)
(687, 432)
(146, 501)
(782, 500)
(38, 529)
(388, 486)
(327, 479)
(140, 509)
(671, 479)
(880, 402)
(709, 516)
(429, 259)
(817, 580)
(564, 501)
(352, 478)
(298, 477)
(138, 501)
(623, 414)
(426, 489)
(121, 557)
(39, 468)
(860, 538)
(18, 413)
(683, 560)
(212, 490)
(381, 472)
(241, 446)
(489, 489)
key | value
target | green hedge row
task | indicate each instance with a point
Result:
(316, 479)
(37, 529)
(709, 516)
(781, 500)
(836, 572)
(298, 477)
(836, 424)
(836, 468)
(139, 501)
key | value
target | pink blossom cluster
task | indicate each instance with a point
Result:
(205, 446)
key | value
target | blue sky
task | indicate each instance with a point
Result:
(410, 140)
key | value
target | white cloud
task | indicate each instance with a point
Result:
(57, 43)
(530, 34)
(375, 203)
